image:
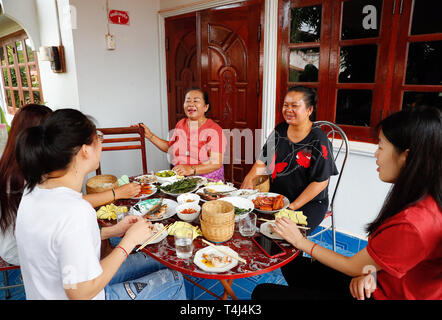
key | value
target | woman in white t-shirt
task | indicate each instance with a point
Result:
(12, 181)
(57, 234)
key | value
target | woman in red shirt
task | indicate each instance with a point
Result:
(403, 258)
(198, 143)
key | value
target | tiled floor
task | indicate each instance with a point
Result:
(243, 288)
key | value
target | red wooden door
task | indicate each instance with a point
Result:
(230, 73)
(182, 62)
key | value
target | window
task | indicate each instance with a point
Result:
(367, 58)
(20, 72)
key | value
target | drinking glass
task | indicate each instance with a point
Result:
(247, 225)
(184, 242)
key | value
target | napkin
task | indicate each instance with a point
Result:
(296, 216)
(123, 180)
(110, 211)
(180, 224)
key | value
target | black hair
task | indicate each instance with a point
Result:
(11, 177)
(205, 97)
(310, 97)
(52, 145)
(418, 130)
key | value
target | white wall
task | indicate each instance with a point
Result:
(59, 89)
(120, 87)
(360, 194)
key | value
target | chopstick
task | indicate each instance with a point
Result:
(299, 227)
(225, 252)
(156, 235)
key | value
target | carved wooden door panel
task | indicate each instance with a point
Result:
(230, 73)
(182, 61)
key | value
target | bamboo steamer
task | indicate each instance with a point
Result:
(101, 183)
(217, 212)
(261, 183)
(217, 220)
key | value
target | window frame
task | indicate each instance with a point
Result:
(388, 87)
(12, 39)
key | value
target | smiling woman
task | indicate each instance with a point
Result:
(198, 143)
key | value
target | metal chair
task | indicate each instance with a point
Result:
(334, 133)
(129, 133)
(4, 267)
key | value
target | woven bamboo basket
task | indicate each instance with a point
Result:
(101, 183)
(217, 232)
(261, 183)
(217, 220)
(218, 212)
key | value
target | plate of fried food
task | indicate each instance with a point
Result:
(269, 202)
(147, 190)
(211, 260)
(215, 192)
(155, 209)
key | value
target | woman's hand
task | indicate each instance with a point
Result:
(183, 170)
(147, 133)
(126, 191)
(121, 227)
(247, 184)
(362, 286)
(288, 229)
(138, 232)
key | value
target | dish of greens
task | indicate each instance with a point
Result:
(180, 186)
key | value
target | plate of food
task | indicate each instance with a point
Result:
(269, 202)
(211, 260)
(147, 190)
(215, 192)
(266, 229)
(242, 205)
(146, 178)
(156, 227)
(164, 176)
(244, 193)
(155, 209)
(202, 180)
(180, 187)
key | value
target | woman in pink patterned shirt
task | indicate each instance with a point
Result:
(197, 144)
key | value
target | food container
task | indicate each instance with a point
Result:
(217, 220)
(261, 183)
(101, 183)
(188, 198)
(171, 178)
(188, 216)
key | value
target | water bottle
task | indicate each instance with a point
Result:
(3, 137)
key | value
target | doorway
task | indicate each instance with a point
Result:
(220, 50)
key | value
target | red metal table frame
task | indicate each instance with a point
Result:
(257, 262)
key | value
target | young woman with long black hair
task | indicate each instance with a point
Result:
(404, 244)
(12, 181)
(57, 234)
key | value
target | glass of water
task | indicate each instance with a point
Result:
(184, 242)
(247, 225)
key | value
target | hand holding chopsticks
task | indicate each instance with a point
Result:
(225, 252)
(156, 235)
